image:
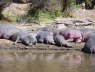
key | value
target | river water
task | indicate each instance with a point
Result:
(41, 61)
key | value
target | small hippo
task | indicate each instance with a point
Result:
(60, 41)
(72, 35)
(11, 32)
(45, 37)
(89, 46)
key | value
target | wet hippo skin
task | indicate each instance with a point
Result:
(11, 32)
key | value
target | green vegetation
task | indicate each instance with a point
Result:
(70, 5)
(43, 15)
(39, 13)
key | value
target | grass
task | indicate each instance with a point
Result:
(45, 16)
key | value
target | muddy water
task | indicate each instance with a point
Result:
(68, 61)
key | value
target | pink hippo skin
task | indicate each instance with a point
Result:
(72, 35)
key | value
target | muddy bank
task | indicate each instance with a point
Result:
(8, 45)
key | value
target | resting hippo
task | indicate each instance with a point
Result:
(72, 35)
(89, 46)
(60, 41)
(49, 38)
(45, 37)
(11, 32)
(86, 32)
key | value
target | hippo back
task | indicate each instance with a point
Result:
(8, 29)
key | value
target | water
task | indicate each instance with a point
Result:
(68, 61)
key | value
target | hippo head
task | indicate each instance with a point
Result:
(74, 36)
(28, 40)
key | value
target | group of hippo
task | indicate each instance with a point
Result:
(50, 35)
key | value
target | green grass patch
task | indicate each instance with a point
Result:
(45, 16)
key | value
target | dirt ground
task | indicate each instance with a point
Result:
(8, 45)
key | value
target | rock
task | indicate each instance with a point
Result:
(14, 10)
(73, 22)
(47, 28)
(60, 26)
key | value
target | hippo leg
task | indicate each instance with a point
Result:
(92, 50)
(17, 40)
(68, 45)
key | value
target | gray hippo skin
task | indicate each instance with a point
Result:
(49, 38)
(11, 32)
(60, 41)
(41, 36)
(72, 35)
(89, 46)
(45, 37)
(86, 33)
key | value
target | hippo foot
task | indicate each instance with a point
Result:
(68, 45)
(65, 45)
(88, 50)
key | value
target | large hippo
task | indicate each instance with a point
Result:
(45, 37)
(72, 35)
(89, 46)
(86, 33)
(9, 31)
(60, 40)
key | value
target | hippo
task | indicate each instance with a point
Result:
(60, 40)
(41, 36)
(72, 35)
(45, 37)
(89, 46)
(49, 38)
(11, 32)
(86, 32)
